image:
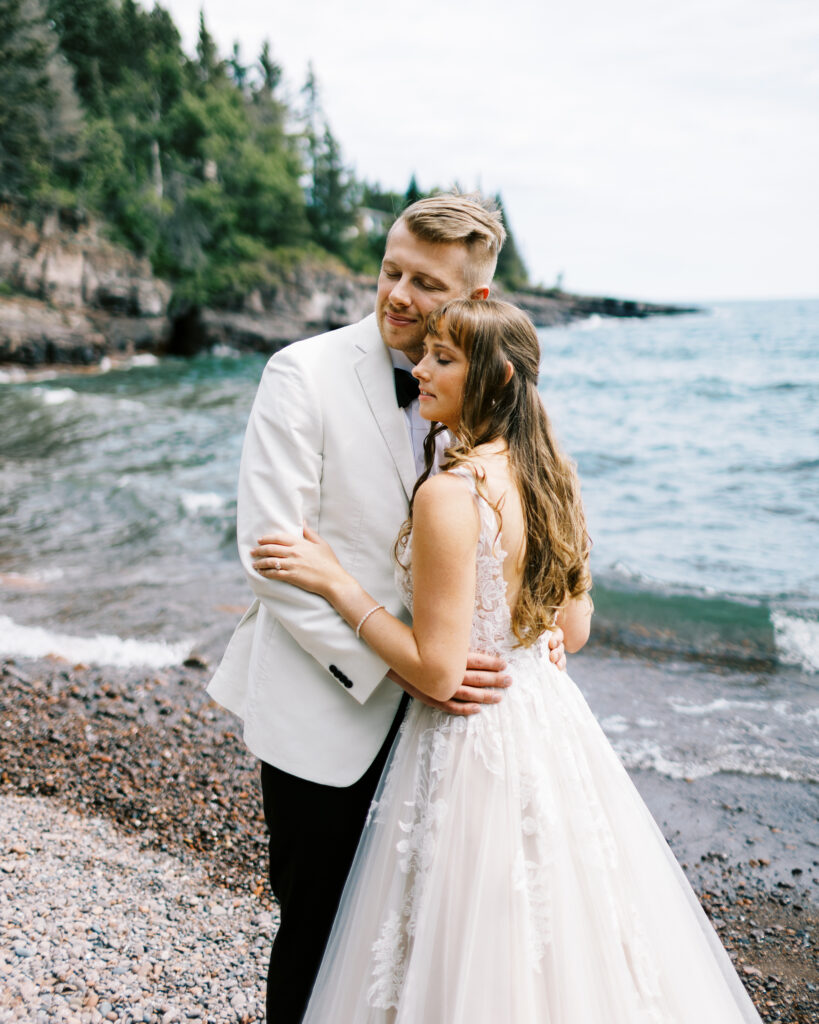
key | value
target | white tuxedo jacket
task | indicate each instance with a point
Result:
(326, 443)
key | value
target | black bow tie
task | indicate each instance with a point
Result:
(406, 387)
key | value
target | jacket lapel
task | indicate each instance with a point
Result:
(374, 369)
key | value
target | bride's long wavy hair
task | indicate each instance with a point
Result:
(492, 334)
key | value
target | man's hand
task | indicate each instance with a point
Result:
(557, 652)
(482, 682)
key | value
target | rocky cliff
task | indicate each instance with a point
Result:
(72, 296)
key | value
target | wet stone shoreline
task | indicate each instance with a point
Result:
(133, 861)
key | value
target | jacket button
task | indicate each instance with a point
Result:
(341, 677)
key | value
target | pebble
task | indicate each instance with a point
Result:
(138, 942)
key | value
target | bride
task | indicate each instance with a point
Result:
(509, 872)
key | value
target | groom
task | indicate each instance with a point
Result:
(335, 440)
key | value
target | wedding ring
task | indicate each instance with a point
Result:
(276, 565)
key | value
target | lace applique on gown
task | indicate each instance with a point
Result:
(510, 872)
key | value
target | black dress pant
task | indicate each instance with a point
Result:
(314, 831)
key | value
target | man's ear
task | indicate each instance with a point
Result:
(480, 293)
(510, 372)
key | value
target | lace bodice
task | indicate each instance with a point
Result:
(491, 630)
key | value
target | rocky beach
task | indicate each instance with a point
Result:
(133, 859)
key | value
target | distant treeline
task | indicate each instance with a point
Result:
(199, 163)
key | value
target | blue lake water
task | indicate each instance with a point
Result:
(697, 441)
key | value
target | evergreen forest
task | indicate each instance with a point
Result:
(200, 163)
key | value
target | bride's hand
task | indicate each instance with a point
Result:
(307, 562)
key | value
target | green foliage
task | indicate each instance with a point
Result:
(375, 198)
(271, 71)
(333, 198)
(195, 162)
(187, 160)
(413, 193)
(332, 193)
(91, 38)
(40, 121)
(511, 270)
(210, 69)
(377, 211)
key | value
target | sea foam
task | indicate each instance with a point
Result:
(797, 640)
(196, 501)
(55, 396)
(103, 649)
(647, 754)
(12, 375)
(143, 359)
(683, 707)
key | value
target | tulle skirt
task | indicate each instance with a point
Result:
(510, 873)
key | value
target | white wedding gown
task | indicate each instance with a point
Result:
(510, 873)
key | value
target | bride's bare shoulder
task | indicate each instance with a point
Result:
(491, 470)
(447, 486)
(443, 499)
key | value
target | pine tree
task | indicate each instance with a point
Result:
(333, 199)
(271, 71)
(413, 193)
(238, 70)
(39, 113)
(332, 193)
(511, 270)
(312, 117)
(210, 68)
(91, 39)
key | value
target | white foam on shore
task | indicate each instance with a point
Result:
(757, 760)
(737, 708)
(614, 723)
(797, 640)
(195, 501)
(683, 707)
(12, 375)
(28, 375)
(55, 396)
(103, 649)
(143, 359)
(222, 351)
(59, 396)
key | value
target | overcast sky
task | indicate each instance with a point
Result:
(645, 149)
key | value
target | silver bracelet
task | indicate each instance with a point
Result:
(364, 618)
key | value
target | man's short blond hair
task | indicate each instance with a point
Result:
(465, 218)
